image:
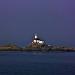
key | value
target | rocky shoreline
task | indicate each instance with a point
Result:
(31, 49)
(36, 45)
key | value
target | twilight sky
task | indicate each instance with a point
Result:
(53, 20)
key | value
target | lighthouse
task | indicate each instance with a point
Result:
(37, 40)
(37, 44)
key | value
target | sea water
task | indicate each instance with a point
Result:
(31, 63)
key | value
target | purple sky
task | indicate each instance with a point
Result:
(53, 20)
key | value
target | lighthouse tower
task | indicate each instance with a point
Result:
(37, 40)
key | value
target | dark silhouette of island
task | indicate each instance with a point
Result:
(37, 44)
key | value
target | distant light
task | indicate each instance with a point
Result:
(36, 36)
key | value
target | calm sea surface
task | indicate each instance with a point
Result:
(23, 63)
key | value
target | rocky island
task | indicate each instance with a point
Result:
(36, 45)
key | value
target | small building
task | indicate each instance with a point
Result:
(37, 40)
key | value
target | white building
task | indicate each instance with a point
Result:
(37, 40)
